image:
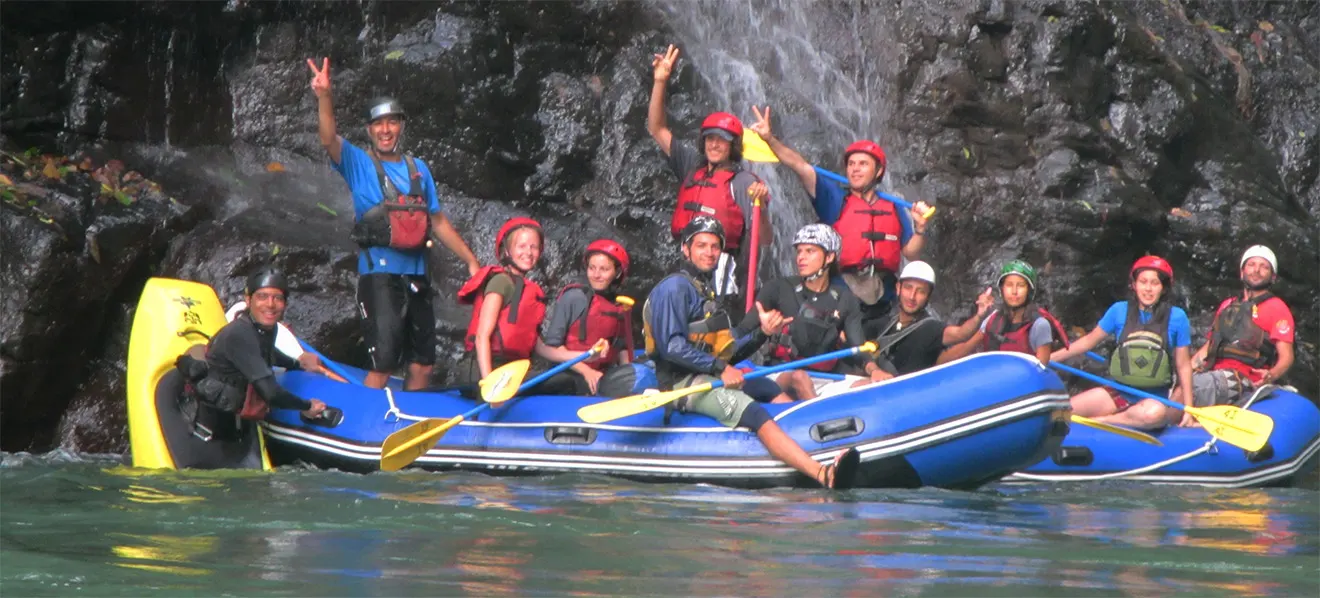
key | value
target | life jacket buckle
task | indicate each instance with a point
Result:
(202, 432)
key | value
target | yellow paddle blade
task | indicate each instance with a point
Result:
(405, 446)
(756, 149)
(502, 383)
(1121, 431)
(620, 408)
(1235, 425)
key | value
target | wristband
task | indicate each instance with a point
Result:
(718, 367)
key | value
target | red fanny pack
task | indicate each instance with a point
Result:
(254, 407)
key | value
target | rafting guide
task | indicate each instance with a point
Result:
(394, 295)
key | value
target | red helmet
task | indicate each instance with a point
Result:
(1151, 262)
(612, 249)
(512, 225)
(867, 147)
(722, 121)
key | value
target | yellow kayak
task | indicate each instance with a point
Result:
(171, 317)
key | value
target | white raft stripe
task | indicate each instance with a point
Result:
(681, 465)
(1226, 480)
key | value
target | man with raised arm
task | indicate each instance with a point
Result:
(396, 213)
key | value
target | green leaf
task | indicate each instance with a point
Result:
(1052, 19)
(327, 209)
(124, 198)
(1219, 29)
(1086, 205)
(274, 250)
(395, 55)
(31, 153)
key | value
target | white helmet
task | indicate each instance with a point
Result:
(821, 235)
(918, 270)
(1262, 252)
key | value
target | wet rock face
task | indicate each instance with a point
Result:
(1078, 136)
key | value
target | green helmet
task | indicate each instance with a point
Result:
(1022, 269)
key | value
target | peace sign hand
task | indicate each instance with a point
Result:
(320, 78)
(664, 64)
(762, 124)
(984, 302)
(772, 322)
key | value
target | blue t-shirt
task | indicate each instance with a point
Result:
(1180, 329)
(360, 173)
(829, 203)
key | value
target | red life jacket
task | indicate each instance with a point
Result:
(709, 192)
(520, 318)
(604, 319)
(871, 234)
(1235, 334)
(1003, 335)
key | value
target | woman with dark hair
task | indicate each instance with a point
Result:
(1153, 344)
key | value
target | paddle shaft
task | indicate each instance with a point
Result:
(1115, 385)
(838, 178)
(792, 365)
(755, 254)
(329, 365)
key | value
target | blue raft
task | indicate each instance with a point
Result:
(959, 425)
(1191, 455)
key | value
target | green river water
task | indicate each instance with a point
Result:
(88, 526)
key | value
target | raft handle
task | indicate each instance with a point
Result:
(570, 435)
(1073, 456)
(1264, 454)
(835, 429)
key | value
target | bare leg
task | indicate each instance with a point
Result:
(376, 379)
(419, 376)
(800, 383)
(785, 449)
(1146, 415)
(1095, 402)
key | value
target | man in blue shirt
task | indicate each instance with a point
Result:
(876, 233)
(396, 210)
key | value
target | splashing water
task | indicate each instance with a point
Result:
(775, 53)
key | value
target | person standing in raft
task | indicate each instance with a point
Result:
(1153, 351)
(396, 213)
(822, 315)
(234, 382)
(690, 340)
(507, 307)
(584, 313)
(1017, 324)
(913, 340)
(1251, 340)
(712, 182)
(876, 233)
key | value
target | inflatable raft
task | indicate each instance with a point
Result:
(1191, 455)
(959, 425)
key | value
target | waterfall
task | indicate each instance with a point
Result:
(821, 75)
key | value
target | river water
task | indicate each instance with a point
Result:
(87, 525)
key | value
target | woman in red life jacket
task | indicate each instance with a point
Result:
(507, 307)
(1017, 324)
(585, 312)
(712, 182)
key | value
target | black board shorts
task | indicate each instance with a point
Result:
(398, 321)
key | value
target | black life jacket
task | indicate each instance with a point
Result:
(1236, 336)
(814, 330)
(1143, 358)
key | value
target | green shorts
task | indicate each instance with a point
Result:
(724, 405)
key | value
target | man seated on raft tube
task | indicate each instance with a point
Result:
(821, 315)
(685, 329)
(912, 339)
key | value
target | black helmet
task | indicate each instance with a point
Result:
(384, 107)
(701, 224)
(267, 278)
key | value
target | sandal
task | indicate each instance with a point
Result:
(842, 473)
